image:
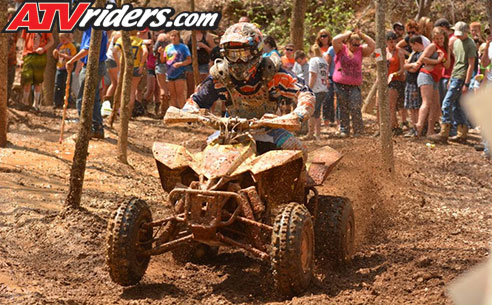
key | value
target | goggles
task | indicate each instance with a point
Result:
(234, 55)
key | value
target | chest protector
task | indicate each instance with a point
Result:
(249, 100)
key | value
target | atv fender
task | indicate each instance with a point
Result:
(173, 163)
(320, 163)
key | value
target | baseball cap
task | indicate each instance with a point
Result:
(443, 22)
(461, 28)
(398, 25)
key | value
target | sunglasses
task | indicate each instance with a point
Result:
(234, 55)
(323, 36)
(411, 33)
(356, 45)
(289, 49)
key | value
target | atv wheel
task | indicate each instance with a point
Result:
(194, 252)
(292, 249)
(127, 238)
(335, 230)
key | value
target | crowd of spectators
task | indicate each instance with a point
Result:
(430, 66)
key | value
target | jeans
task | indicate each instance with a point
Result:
(97, 121)
(451, 108)
(60, 85)
(349, 100)
(443, 88)
(328, 105)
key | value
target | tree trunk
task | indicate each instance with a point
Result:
(382, 69)
(297, 24)
(194, 53)
(3, 76)
(489, 11)
(50, 71)
(81, 146)
(117, 94)
(125, 97)
(424, 7)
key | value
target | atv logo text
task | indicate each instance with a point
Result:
(41, 16)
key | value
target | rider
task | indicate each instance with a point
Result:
(250, 85)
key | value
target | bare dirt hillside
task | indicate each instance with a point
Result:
(416, 231)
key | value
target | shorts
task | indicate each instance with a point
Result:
(203, 69)
(320, 99)
(399, 86)
(426, 79)
(111, 64)
(33, 68)
(151, 72)
(136, 73)
(181, 76)
(413, 99)
(188, 68)
(161, 69)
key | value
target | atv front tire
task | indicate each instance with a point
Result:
(292, 249)
(127, 239)
(335, 230)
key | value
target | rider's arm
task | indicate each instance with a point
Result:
(205, 95)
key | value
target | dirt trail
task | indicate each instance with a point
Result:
(416, 231)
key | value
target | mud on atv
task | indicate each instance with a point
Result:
(230, 195)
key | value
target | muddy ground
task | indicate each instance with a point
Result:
(416, 231)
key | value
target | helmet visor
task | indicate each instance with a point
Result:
(234, 55)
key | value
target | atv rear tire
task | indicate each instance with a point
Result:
(292, 250)
(126, 240)
(194, 252)
(335, 230)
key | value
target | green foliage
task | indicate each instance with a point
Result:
(274, 17)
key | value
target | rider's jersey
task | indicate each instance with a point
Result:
(255, 97)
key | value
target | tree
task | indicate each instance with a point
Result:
(125, 96)
(382, 70)
(3, 76)
(297, 24)
(489, 11)
(424, 7)
(82, 144)
(194, 52)
(50, 71)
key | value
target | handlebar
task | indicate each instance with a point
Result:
(177, 116)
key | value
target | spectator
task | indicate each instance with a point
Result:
(486, 61)
(288, 60)
(139, 59)
(270, 46)
(34, 63)
(329, 111)
(435, 57)
(12, 56)
(205, 44)
(413, 29)
(426, 26)
(63, 52)
(318, 82)
(396, 84)
(216, 50)
(446, 74)
(323, 40)
(112, 66)
(244, 19)
(347, 77)
(464, 50)
(152, 91)
(399, 30)
(161, 71)
(97, 121)
(413, 99)
(177, 56)
(301, 67)
(476, 33)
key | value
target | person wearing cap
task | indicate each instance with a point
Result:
(399, 30)
(446, 74)
(465, 53)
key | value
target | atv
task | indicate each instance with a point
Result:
(240, 193)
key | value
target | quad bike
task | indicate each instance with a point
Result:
(238, 193)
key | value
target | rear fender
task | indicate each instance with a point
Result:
(320, 163)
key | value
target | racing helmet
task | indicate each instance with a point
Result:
(241, 47)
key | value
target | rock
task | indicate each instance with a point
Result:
(423, 262)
